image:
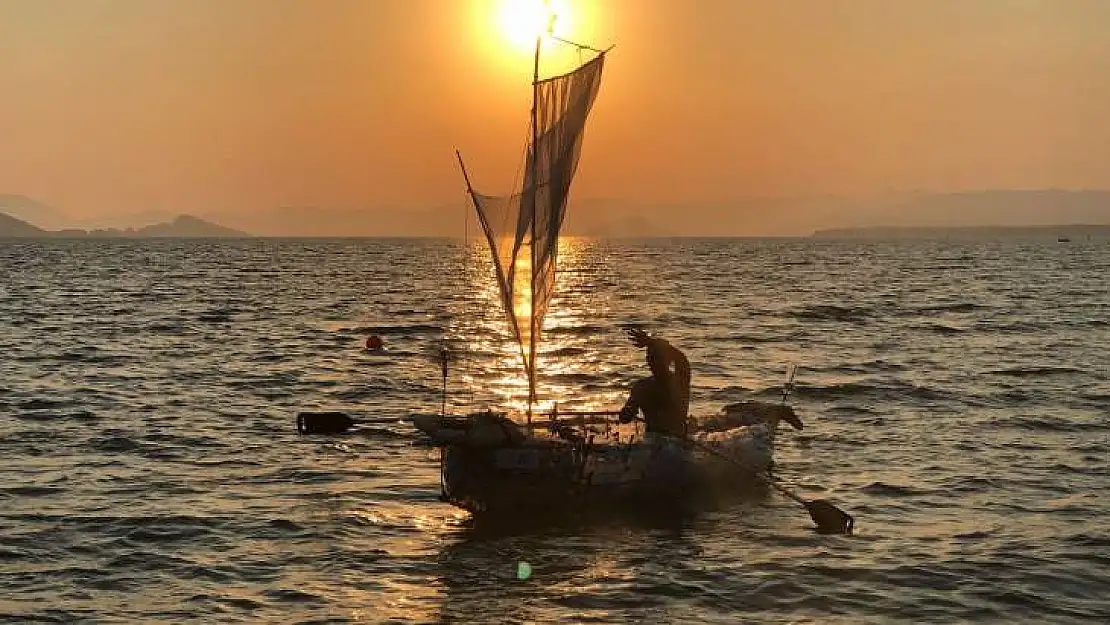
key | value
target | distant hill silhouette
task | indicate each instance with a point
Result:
(12, 227)
(614, 217)
(742, 216)
(1074, 232)
(32, 211)
(1038, 213)
(187, 226)
(1003, 207)
(184, 226)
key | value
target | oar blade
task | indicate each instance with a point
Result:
(323, 422)
(829, 518)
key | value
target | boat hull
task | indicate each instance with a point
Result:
(547, 475)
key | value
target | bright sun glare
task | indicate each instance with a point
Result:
(521, 21)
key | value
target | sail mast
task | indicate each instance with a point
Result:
(566, 101)
(535, 193)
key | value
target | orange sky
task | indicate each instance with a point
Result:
(122, 106)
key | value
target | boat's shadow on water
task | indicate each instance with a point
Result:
(541, 568)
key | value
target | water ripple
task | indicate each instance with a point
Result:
(954, 398)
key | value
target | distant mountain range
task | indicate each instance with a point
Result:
(32, 211)
(184, 226)
(987, 208)
(1002, 209)
(1075, 232)
(906, 214)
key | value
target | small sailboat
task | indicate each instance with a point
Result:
(493, 464)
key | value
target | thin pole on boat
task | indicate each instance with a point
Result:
(466, 178)
(535, 192)
(788, 388)
(443, 357)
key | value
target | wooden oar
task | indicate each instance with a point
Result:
(334, 422)
(829, 518)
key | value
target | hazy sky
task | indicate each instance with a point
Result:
(214, 105)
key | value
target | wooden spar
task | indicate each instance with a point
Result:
(535, 190)
(580, 45)
(469, 189)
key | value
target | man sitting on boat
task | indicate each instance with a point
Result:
(664, 398)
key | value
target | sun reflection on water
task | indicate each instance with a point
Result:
(495, 376)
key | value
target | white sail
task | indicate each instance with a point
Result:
(523, 229)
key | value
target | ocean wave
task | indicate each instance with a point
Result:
(1011, 327)
(169, 326)
(168, 531)
(728, 393)
(295, 476)
(288, 595)
(940, 328)
(851, 409)
(404, 330)
(1034, 371)
(83, 416)
(51, 615)
(574, 378)
(746, 337)
(32, 491)
(566, 352)
(220, 601)
(974, 484)
(829, 312)
(882, 489)
(887, 391)
(1095, 396)
(578, 330)
(978, 535)
(44, 404)
(870, 366)
(955, 307)
(1050, 424)
(215, 316)
(114, 444)
(93, 355)
(1096, 541)
(11, 554)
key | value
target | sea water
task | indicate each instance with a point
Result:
(956, 400)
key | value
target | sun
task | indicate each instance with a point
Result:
(522, 21)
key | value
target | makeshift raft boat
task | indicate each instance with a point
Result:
(490, 465)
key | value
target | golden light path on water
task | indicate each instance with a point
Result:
(563, 354)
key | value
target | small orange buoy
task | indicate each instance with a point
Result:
(374, 342)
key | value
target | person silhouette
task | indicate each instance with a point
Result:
(664, 397)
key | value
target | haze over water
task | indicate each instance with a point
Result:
(954, 395)
(340, 118)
